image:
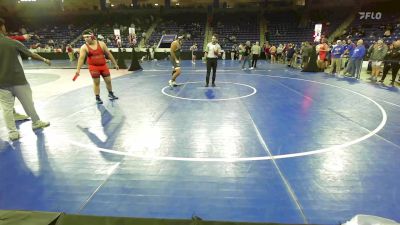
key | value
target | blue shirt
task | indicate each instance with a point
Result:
(359, 52)
(337, 51)
(351, 48)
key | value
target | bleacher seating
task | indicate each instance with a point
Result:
(60, 34)
(289, 27)
(231, 27)
(182, 24)
(240, 26)
(109, 38)
(284, 28)
(372, 30)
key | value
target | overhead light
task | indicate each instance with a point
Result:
(112, 5)
(156, 4)
(131, 5)
(177, 3)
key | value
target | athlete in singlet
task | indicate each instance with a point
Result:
(193, 49)
(322, 54)
(175, 57)
(95, 51)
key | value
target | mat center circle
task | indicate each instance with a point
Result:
(196, 91)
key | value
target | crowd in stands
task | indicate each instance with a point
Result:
(387, 29)
(49, 38)
(192, 26)
(340, 58)
(235, 29)
(289, 39)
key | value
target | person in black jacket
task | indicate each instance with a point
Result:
(134, 60)
(289, 55)
(312, 63)
(392, 61)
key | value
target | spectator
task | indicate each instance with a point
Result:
(357, 58)
(392, 61)
(305, 54)
(70, 53)
(246, 55)
(337, 53)
(255, 52)
(377, 53)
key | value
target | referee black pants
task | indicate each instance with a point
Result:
(211, 63)
(254, 60)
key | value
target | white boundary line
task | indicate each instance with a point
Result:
(284, 180)
(292, 155)
(208, 100)
(390, 103)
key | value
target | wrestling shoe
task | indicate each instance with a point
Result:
(20, 117)
(111, 96)
(40, 124)
(99, 101)
(14, 135)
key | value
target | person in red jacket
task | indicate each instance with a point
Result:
(24, 37)
(95, 51)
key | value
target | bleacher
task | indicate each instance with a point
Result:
(60, 34)
(182, 24)
(236, 28)
(105, 27)
(289, 27)
(283, 27)
(372, 30)
(109, 38)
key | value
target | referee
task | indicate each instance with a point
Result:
(213, 50)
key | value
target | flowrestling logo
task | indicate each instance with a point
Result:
(370, 15)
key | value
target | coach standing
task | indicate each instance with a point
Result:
(13, 82)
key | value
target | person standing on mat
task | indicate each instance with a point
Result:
(392, 61)
(246, 55)
(24, 37)
(175, 60)
(13, 83)
(95, 51)
(255, 52)
(212, 52)
(193, 49)
(134, 61)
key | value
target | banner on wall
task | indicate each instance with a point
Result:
(317, 32)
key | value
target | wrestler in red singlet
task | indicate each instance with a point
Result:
(96, 50)
(97, 62)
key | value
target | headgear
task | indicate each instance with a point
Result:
(89, 32)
